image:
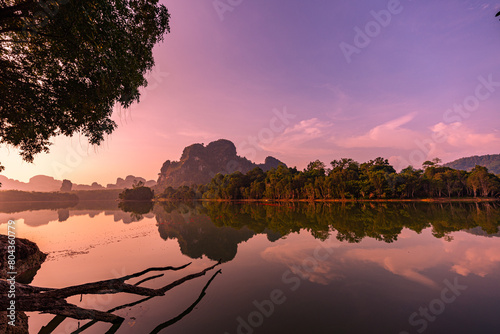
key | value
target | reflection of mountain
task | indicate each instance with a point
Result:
(198, 236)
(481, 232)
(25, 206)
(42, 213)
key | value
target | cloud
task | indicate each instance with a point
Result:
(460, 136)
(448, 141)
(456, 140)
(299, 258)
(390, 134)
(414, 257)
(306, 129)
(297, 138)
(485, 6)
(398, 262)
(479, 256)
(467, 254)
(197, 134)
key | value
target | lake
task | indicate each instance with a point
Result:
(285, 267)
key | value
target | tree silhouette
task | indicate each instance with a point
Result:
(65, 64)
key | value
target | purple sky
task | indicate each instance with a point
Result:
(296, 80)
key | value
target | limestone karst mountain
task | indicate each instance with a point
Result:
(199, 164)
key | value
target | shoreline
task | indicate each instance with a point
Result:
(425, 200)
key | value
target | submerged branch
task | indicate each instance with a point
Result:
(172, 321)
(48, 300)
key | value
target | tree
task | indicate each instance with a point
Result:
(66, 185)
(480, 179)
(137, 184)
(64, 66)
(315, 168)
(410, 183)
(343, 179)
(377, 172)
(436, 161)
(140, 193)
(427, 164)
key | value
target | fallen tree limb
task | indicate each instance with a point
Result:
(172, 321)
(49, 300)
(161, 326)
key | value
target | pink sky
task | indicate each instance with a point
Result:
(426, 85)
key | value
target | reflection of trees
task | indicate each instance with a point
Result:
(12, 207)
(215, 229)
(37, 214)
(355, 221)
(197, 235)
(136, 209)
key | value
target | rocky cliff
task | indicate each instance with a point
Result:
(199, 164)
(29, 258)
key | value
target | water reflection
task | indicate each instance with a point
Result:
(214, 229)
(372, 254)
(196, 233)
(137, 209)
(42, 213)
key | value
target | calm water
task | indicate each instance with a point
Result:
(287, 268)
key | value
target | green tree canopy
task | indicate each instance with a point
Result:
(140, 193)
(65, 64)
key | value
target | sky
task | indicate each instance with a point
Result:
(407, 80)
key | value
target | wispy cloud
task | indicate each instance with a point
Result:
(198, 134)
(391, 134)
(460, 136)
(293, 254)
(297, 138)
(461, 140)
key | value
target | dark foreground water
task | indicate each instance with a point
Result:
(286, 268)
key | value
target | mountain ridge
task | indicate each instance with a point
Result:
(490, 161)
(46, 183)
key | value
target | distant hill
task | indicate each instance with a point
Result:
(129, 182)
(47, 184)
(199, 164)
(492, 162)
(33, 196)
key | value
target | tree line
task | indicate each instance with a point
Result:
(345, 179)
